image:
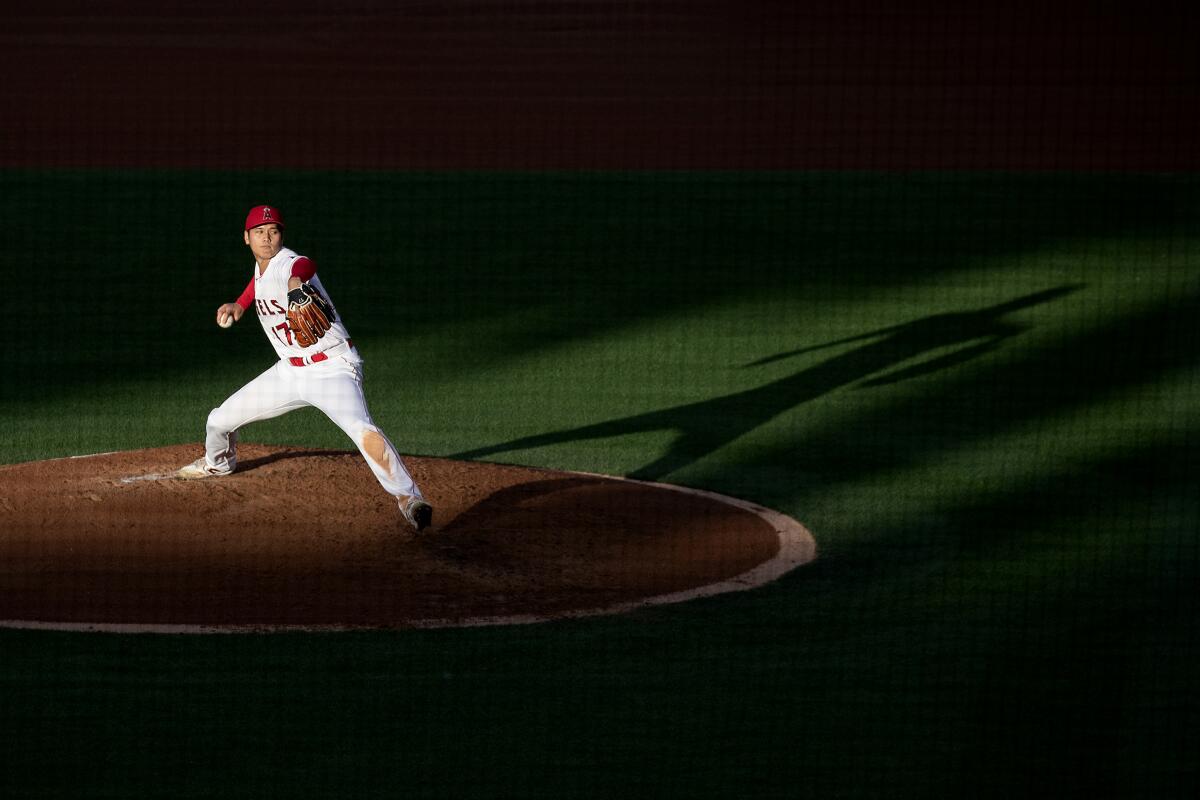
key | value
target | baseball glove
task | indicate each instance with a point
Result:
(309, 314)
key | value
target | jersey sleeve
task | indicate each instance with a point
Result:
(303, 268)
(247, 298)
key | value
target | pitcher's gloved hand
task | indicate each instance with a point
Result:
(309, 314)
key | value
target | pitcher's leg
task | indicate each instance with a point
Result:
(269, 395)
(338, 393)
(385, 462)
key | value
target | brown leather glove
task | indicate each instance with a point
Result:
(309, 314)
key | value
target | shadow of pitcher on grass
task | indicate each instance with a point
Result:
(705, 426)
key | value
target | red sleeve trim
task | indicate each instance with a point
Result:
(247, 298)
(303, 268)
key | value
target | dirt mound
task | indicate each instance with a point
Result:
(307, 539)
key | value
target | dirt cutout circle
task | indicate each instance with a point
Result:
(306, 539)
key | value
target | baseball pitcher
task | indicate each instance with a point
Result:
(318, 366)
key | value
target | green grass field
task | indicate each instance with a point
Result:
(979, 391)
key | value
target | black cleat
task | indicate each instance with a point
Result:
(417, 512)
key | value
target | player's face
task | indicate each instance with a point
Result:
(265, 241)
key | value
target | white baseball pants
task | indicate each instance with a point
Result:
(335, 388)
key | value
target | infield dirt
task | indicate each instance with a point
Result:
(115, 540)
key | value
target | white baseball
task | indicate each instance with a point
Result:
(226, 320)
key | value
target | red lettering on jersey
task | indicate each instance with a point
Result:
(268, 308)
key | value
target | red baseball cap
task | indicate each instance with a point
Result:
(263, 215)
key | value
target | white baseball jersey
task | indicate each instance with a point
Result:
(271, 304)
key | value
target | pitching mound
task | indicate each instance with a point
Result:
(110, 542)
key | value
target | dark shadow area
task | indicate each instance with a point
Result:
(1049, 621)
(1106, 547)
(475, 518)
(488, 526)
(706, 426)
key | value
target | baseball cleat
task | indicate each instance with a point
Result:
(199, 469)
(416, 511)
